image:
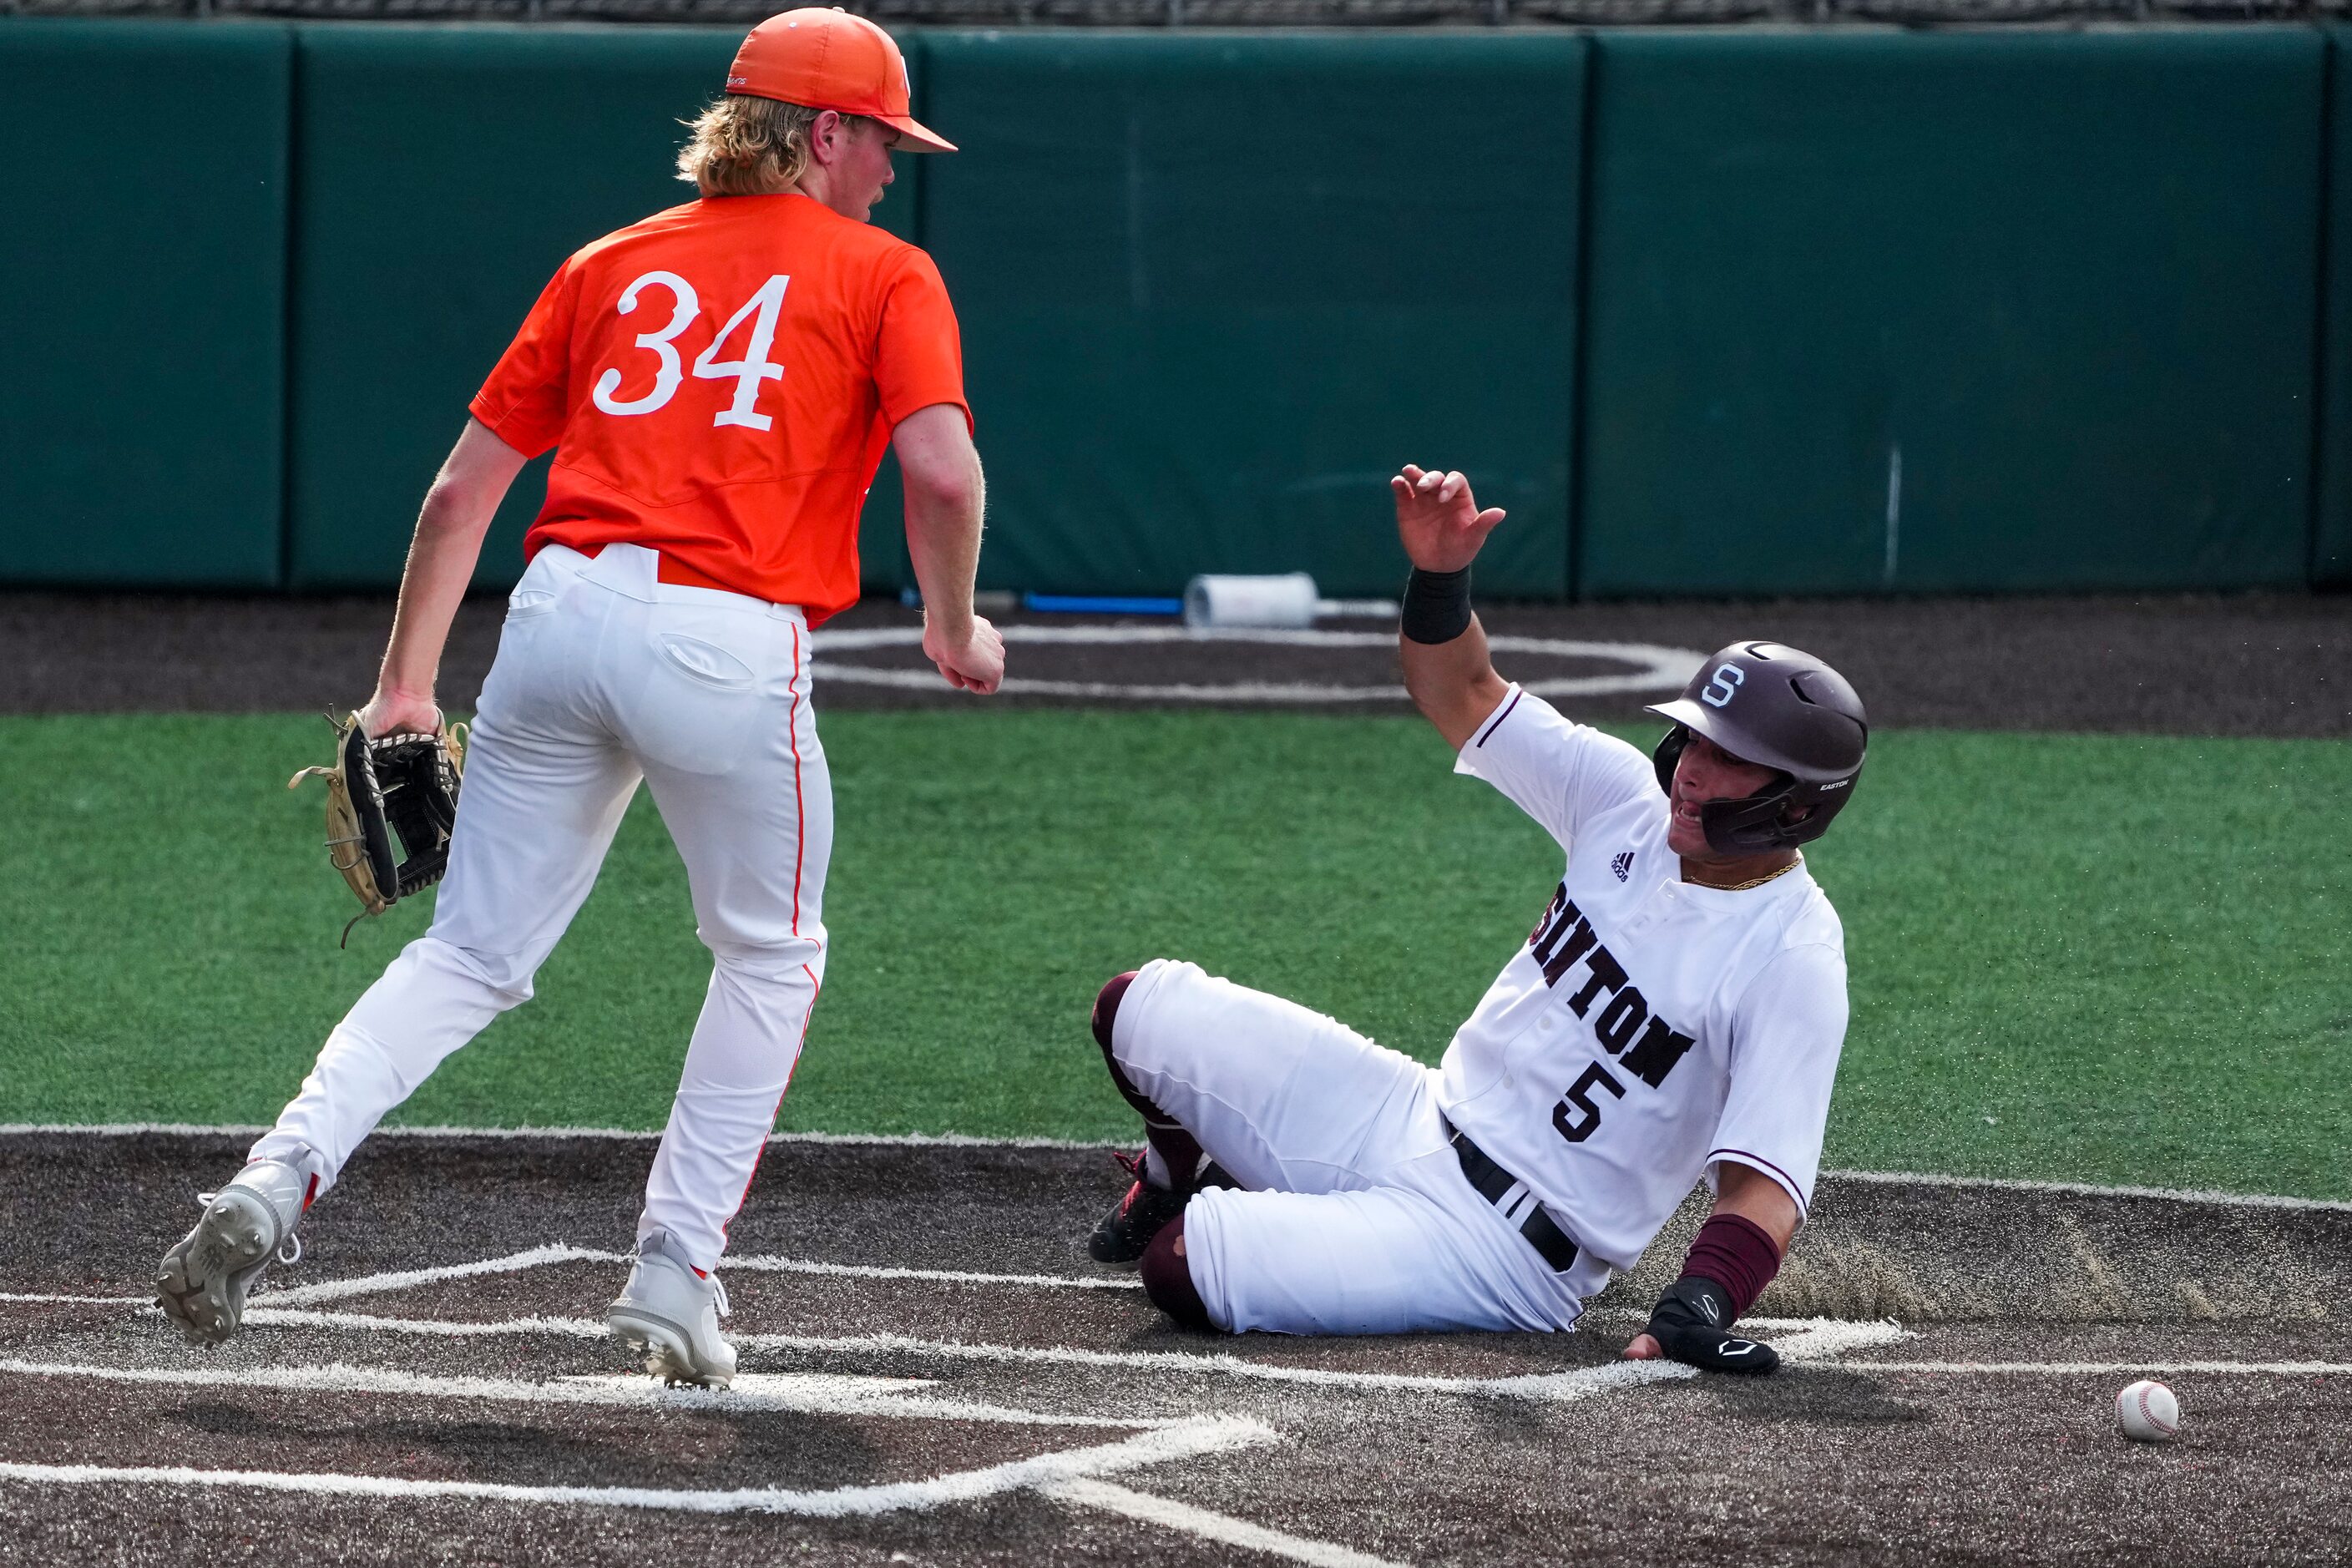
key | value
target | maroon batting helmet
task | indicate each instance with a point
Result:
(1768, 704)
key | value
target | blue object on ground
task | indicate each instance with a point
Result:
(1097, 604)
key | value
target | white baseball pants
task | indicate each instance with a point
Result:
(1356, 1217)
(605, 675)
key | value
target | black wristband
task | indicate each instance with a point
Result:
(1436, 605)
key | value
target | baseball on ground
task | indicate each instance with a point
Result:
(2147, 1411)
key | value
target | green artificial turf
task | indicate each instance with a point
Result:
(2110, 959)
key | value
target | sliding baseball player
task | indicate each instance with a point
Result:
(1675, 1016)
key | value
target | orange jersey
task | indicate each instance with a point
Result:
(720, 382)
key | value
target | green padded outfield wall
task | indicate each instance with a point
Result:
(2331, 542)
(2066, 281)
(1215, 289)
(443, 173)
(141, 407)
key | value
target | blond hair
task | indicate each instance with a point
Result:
(747, 146)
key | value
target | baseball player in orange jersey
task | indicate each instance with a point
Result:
(719, 383)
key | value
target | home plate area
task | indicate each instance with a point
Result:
(933, 1372)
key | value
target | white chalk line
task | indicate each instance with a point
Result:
(797, 1392)
(974, 1141)
(1799, 1341)
(561, 1252)
(822, 1393)
(1824, 1339)
(526, 1132)
(810, 1393)
(1190, 1439)
(1243, 691)
(409, 1279)
(452, 1328)
(1811, 1342)
(2090, 1368)
(800, 1394)
(1559, 1387)
(1221, 1527)
(1655, 668)
(1239, 691)
(928, 1276)
(1815, 1338)
(72, 1300)
(1580, 1383)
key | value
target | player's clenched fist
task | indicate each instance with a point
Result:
(392, 712)
(1439, 519)
(971, 661)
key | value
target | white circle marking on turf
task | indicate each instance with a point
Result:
(1654, 668)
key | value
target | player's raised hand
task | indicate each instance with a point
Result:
(973, 662)
(1439, 519)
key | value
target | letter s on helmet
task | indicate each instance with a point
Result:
(1768, 704)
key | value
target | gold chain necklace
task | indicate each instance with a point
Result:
(1756, 882)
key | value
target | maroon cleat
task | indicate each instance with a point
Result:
(1144, 1211)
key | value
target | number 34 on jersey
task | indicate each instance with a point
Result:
(756, 317)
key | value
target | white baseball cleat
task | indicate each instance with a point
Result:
(671, 1313)
(203, 1281)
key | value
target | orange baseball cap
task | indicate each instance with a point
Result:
(821, 57)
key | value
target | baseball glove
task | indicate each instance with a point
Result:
(397, 794)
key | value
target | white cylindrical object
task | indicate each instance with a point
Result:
(1285, 601)
(2147, 1411)
(1360, 609)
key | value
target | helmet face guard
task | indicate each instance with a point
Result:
(1753, 825)
(1780, 709)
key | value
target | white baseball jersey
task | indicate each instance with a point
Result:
(1651, 1027)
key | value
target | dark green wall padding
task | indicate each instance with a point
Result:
(1215, 290)
(2069, 278)
(2092, 292)
(2331, 534)
(444, 174)
(142, 265)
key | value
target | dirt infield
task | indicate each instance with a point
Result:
(934, 1373)
(2235, 665)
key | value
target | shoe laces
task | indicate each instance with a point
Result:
(661, 1244)
(1133, 1165)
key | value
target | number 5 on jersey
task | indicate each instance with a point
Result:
(1580, 1127)
(748, 372)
